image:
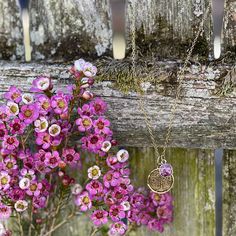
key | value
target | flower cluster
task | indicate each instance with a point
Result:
(39, 157)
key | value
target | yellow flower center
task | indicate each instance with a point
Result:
(86, 200)
(4, 180)
(61, 104)
(86, 122)
(13, 109)
(94, 172)
(45, 105)
(33, 187)
(28, 113)
(9, 165)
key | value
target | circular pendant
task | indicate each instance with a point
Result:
(158, 183)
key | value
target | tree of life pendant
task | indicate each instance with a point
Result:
(158, 183)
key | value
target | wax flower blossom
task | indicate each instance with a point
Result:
(99, 217)
(29, 113)
(21, 205)
(5, 211)
(94, 172)
(41, 83)
(41, 125)
(56, 146)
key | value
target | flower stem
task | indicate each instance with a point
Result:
(20, 224)
(60, 224)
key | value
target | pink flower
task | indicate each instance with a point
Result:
(101, 126)
(44, 139)
(116, 213)
(4, 113)
(59, 103)
(17, 126)
(44, 104)
(138, 200)
(164, 213)
(70, 156)
(10, 142)
(10, 164)
(99, 217)
(41, 83)
(84, 123)
(118, 228)
(5, 212)
(111, 179)
(14, 94)
(108, 199)
(39, 202)
(94, 187)
(86, 110)
(99, 106)
(143, 218)
(3, 131)
(34, 188)
(4, 180)
(155, 225)
(113, 163)
(29, 113)
(17, 194)
(93, 142)
(52, 159)
(125, 184)
(120, 194)
(161, 199)
(83, 201)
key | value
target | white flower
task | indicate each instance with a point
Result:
(79, 64)
(27, 98)
(54, 130)
(126, 205)
(13, 108)
(24, 183)
(76, 189)
(89, 70)
(41, 124)
(122, 155)
(106, 146)
(94, 172)
(21, 205)
(43, 83)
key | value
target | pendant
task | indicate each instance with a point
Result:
(159, 183)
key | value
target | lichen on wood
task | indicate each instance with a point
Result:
(202, 119)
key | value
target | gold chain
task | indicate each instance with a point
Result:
(160, 158)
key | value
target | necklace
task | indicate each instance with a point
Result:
(161, 178)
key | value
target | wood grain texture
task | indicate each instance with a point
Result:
(202, 119)
(229, 213)
(65, 29)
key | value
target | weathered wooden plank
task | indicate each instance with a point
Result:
(66, 29)
(202, 119)
(229, 214)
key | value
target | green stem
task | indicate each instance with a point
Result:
(60, 224)
(20, 224)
